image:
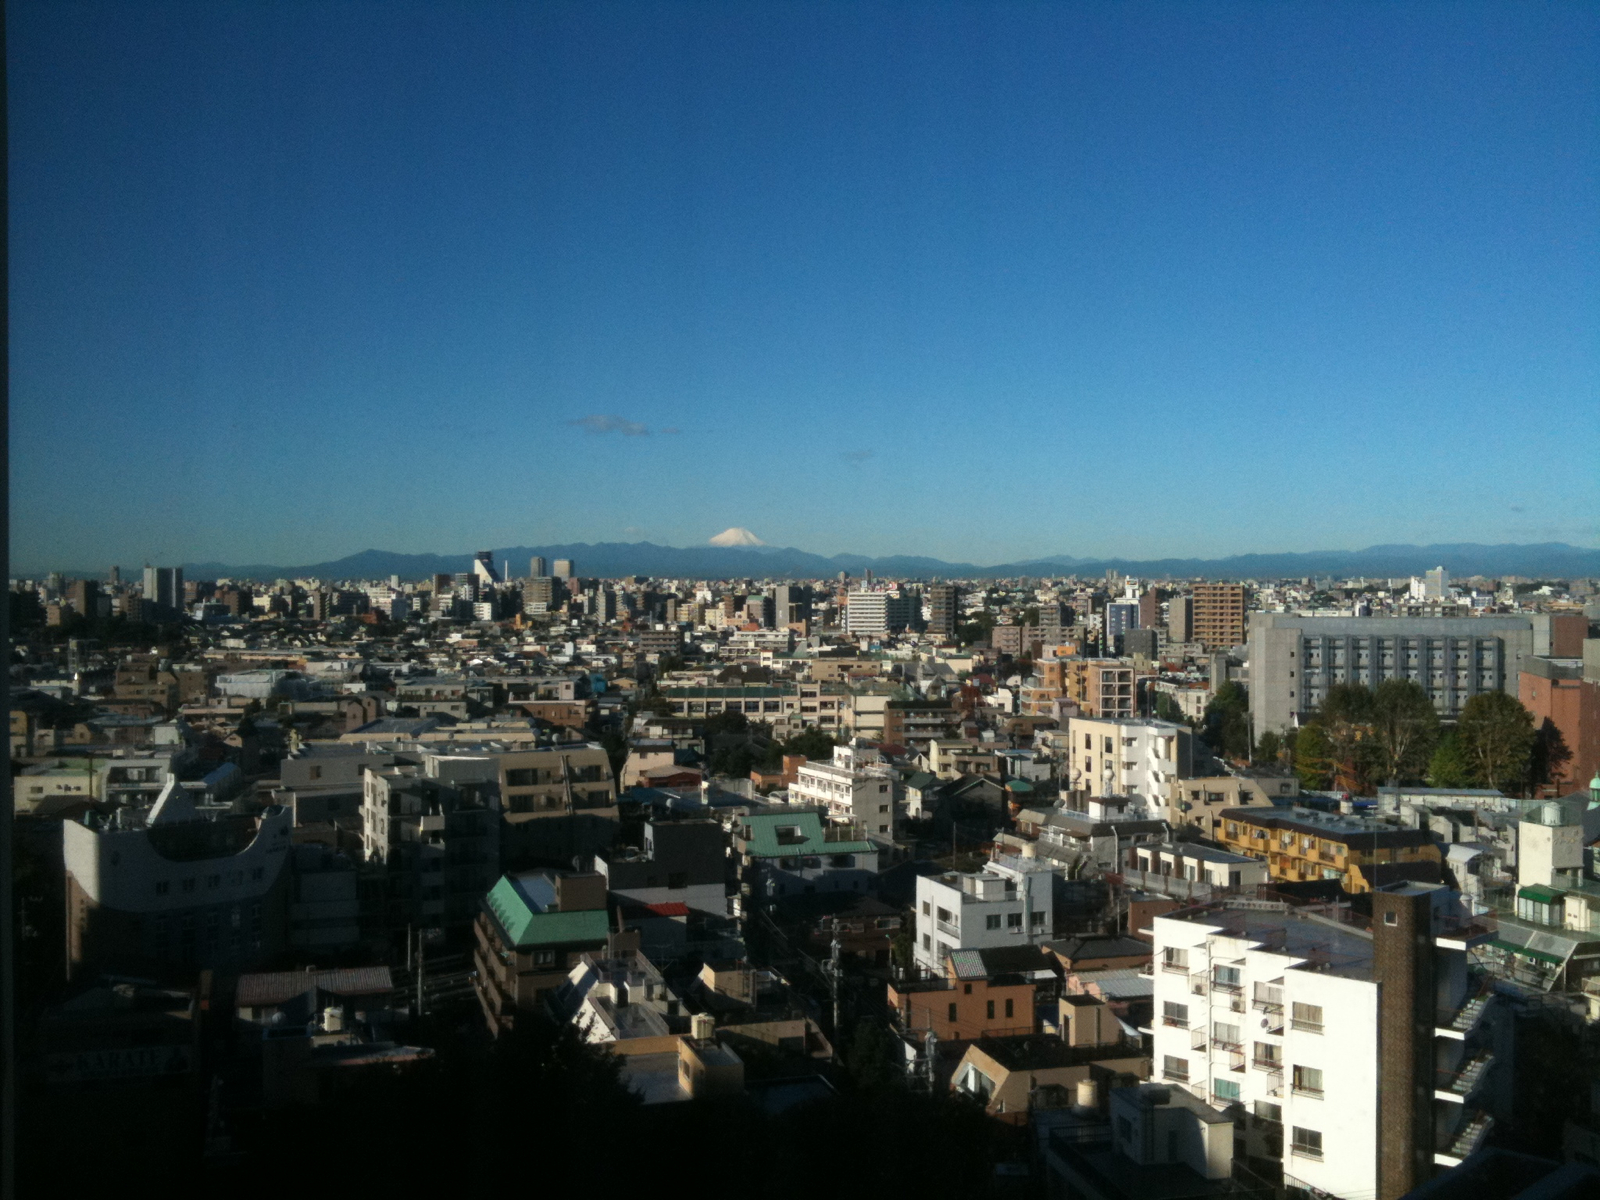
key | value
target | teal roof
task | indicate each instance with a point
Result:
(761, 835)
(526, 924)
(1019, 785)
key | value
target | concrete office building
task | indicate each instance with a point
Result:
(564, 569)
(1352, 1057)
(791, 605)
(1294, 660)
(1219, 610)
(163, 586)
(1180, 619)
(536, 567)
(1121, 616)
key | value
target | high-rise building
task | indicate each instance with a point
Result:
(1219, 615)
(1180, 619)
(877, 613)
(1150, 609)
(791, 604)
(536, 567)
(1436, 584)
(564, 569)
(942, 609)
(483, 569)
(114, 576)
(1121, 616)
(164, 586)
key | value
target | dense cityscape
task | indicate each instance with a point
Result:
(1108, 887)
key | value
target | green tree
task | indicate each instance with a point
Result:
(1269, 749)
(1497, 739)
(874, 1057)
(1313, 757)
(727, 721)
(1346, 717)
(1406, 730)
(1448, 768)
(1551, 754)
(1226, 725)
(813, 743)
(1167, 709)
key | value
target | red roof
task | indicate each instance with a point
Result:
(667, 908)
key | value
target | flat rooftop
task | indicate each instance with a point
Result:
(1325, 944)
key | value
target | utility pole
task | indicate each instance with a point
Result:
(833, 970)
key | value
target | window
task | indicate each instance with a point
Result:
(1175, 1014)
(1226, 978)
(925, 910)
(1009, 1008)
(927, 942)
(1175, 959)
(952, 1010)
(992, 921)
(989, 1010)
(1307, 1017)
(544, 958)
(1267, 1111)
(1269, 1056)
(944, 915)
(1226, 1090)
(1307, 1143)
(1307, 1081)
(161, 887)
(1175, 1068)
(188, 884)
(1013, 920)
(1391, 918)
(1037, 918)
(1227, 1035)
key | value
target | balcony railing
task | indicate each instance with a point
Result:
(1230, 1047)
(1464, 1080)
(1274, 1065)
(1174, 1076)
(1179, 968)
(946, 927)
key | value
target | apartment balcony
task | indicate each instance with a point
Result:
(946, 927)
(1459, 1085)
(1466, 1138)
(1176, 968)
(1197, 983)
(1273, 1066)
(1197, 1039)
(1228, 1047)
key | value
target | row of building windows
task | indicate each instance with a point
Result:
(235, 878)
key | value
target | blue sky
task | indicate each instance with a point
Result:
(976, 281)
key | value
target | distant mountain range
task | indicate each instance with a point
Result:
(1550, 560)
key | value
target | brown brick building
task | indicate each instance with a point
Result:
(1219, 610)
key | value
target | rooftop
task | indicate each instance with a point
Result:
(1322, 943)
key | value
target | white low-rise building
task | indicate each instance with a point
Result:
(1122, 757)
(1008, 903)
(856, 788)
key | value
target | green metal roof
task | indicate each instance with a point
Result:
(1539, 894)
(527, 926)
(762, 837)
(1513, 948)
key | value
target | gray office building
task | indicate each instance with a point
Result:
(164, 586)
(1294, 660)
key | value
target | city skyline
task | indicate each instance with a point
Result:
(985, 284)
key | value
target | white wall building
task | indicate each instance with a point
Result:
(1121, 757)
(857, 787)
(1009, 903)
(1279, 1012)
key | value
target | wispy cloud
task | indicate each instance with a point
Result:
(601, 423)
(669, 429)
(856, 456)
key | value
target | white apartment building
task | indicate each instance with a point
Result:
(856, 788)
(1276, 1015)
(877, 613)
(1116, 756)
(1008, 903)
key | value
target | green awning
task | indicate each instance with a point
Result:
(1539, 894)
(1513, 948)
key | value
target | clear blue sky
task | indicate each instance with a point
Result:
(977, 281)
